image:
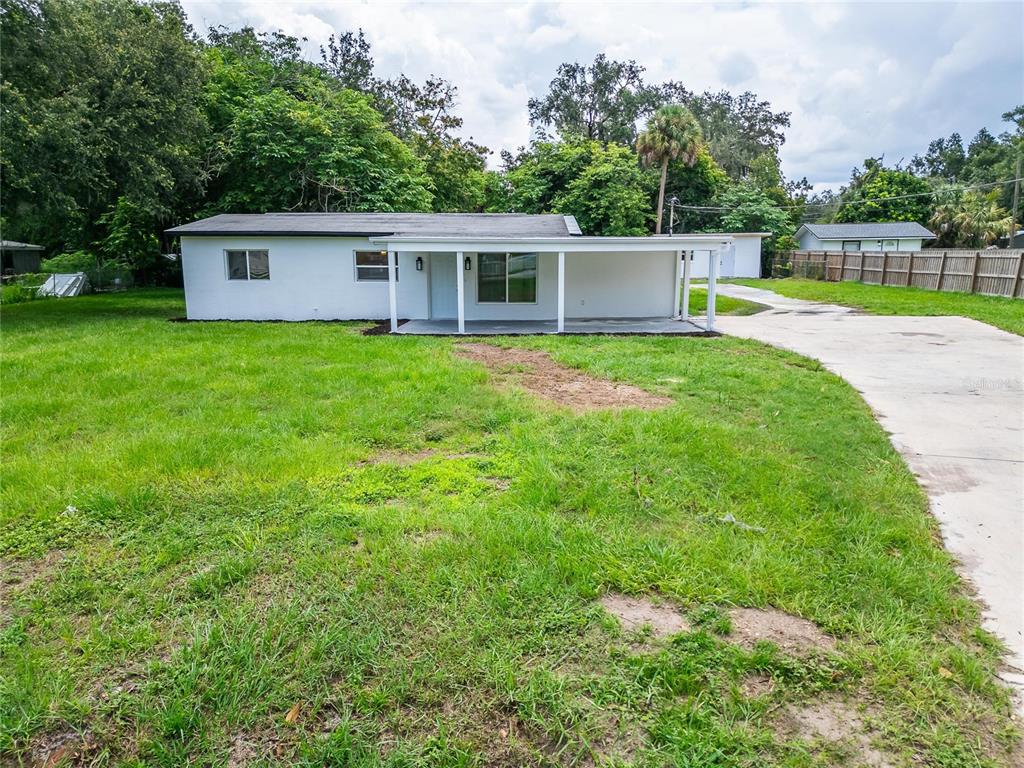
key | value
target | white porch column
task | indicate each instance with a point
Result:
(561, 291)
(712, 287)
(686, 285)
(677, 276)
(461, 290)
(393, 288)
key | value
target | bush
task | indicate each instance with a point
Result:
(13, 293)
(101, 273)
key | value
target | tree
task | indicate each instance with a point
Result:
(348, 61)
(884, 194)
(601, 185)
(101, 102)
(603, 101)
(738, 129)
(672, 134)
(288, 138)
(749, 209)
(945, 159)
(694, 186)
(970, 220)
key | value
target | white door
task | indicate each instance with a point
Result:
(443, 293)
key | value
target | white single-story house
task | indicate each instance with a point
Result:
(868, 236)
(448, 272)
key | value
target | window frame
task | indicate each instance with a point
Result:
(507, 254)
(356, 266)
(248, 266)
(851, 250)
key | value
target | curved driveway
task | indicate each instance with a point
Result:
(950, 392)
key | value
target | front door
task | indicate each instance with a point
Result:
(443, 293)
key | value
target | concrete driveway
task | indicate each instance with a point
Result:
(950, 392)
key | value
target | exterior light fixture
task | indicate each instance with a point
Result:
(419, 263)
(468, 263)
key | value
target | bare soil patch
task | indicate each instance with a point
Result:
(536, 372)
(791, 633)
(756, 685)
(60, 748)
(399, 458)
(836, 724)
(634, 613)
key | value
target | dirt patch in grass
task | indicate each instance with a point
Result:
(791, 633)
(756, 685)
(835, 724)
(65, 747)
(634, 613)
(399, 458)
(536, 372)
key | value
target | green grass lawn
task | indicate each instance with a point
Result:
(724, 305)
(294, 544)
(1004, 313)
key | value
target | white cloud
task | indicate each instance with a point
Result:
(860, 79)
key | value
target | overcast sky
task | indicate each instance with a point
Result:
(860, 79)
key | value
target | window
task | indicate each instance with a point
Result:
(372, 266)
(248, 265)
(506, 278)
(851, 245)
(891, 245)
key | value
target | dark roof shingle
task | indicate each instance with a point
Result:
(377, 224)
(871, 229)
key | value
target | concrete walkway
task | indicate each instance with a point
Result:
(950, 391)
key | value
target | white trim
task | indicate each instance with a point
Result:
(460, 289)
(561, 291)
(675, 283)
(552, 244)
(687, 258)
(392, 290)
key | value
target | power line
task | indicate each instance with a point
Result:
(837, 201)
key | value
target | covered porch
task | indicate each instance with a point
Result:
(574, 284)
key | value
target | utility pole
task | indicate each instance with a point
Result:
(1013, 209)
(672, 203)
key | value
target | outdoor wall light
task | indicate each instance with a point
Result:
(419, 263)
(469, 264)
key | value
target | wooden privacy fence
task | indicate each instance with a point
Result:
(994, 273)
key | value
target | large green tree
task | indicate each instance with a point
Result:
(877, 193)
(600, 184)
(673, 133)
(101, 102)
(288, 137)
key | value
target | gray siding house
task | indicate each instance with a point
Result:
(869, 236)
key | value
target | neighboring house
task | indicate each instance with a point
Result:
(871, 236)
(447, 268)
(18, 258)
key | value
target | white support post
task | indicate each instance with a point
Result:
(393, 288)
(461, 290)
(677, 277)
(561, 291)
(686, 284)
(713, 257)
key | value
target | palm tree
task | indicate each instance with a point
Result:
(673, 133)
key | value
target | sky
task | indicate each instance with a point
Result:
(860, 79)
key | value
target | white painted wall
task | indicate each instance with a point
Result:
(311, 278)
(619, 285)
(809, 242)
(314, 278)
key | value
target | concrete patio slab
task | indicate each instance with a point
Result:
(647, 325)
(950, 392)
